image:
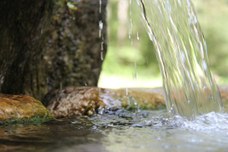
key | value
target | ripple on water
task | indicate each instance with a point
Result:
(145, 130)
(216, 122)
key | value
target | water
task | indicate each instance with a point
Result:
(182, 54)
(118, 131)
(101, 30)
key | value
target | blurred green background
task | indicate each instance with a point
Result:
(131, 61)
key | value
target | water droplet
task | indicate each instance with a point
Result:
(138, 38)
(182, 56)
(102, 55)
(100, 6)
(102, 46)
(126, 92)
(101, 26)
(135, 76)
(204, 65)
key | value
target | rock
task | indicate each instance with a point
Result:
(73, 101)
(78, 101)
(22, 108)
(135, 98)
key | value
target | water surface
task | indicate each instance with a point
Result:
(120, 131)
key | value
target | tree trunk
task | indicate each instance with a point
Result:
(20, 26)
(48, 44)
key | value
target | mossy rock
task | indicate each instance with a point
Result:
(78, 101)
(73, 101)
(22, 109)
(151, 99)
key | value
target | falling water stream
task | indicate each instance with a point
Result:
(101, 28)
(181, 50)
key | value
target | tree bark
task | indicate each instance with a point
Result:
(21, 22)
(48, 44)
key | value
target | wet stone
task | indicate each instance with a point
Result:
(73, 102)
(151, 99)
(79, 101)
(22, 108)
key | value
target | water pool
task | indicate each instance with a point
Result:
(120, 131)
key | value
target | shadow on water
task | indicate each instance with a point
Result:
(120, 130)
(52, 136)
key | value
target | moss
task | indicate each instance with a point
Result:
(131, 103)
(138, 98)
(22, 109)
(33, 120)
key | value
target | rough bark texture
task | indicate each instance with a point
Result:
(20, 26)
(46, 44)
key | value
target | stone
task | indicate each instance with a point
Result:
(78, 101)
(22, 108)
(151, 99)
(73, 101)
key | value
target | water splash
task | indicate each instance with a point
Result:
(216, 123)
(209, 123)
(138, 37)
(182, 53)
